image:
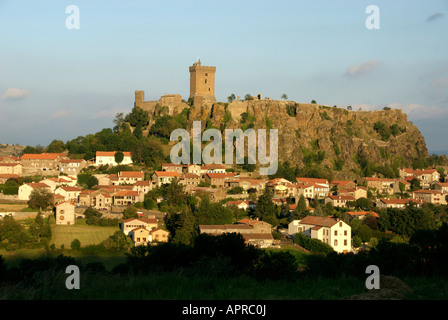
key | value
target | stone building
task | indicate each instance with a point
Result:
(65, 213)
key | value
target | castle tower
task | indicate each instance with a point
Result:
(202, 82)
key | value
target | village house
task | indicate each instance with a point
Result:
(140, 236)
(129, 224)
(441, 186)
(257, 225)
(435, 197)
(306, 190)
(72, 166)
(241, 204)
(192, 168)
(102, 201)
(85, 197)
(69, 193)
(143, 186)
(382, 185)
(398, 203)
(65, 213)
(162, 177)
(406, 184)
(215, 194)
(108, 158)
(280, 187)
(339, 201)
(190, 179)
(343, 184)
(11, 168)
(356, 192)
(26, 189)
(361, 215)
(59, 182)
(159, 235)
(171, 167)
(427, 176)
(127, 197)
(42, 163)
(218, 179)
(329, 230)
(321, 186)
(130, 177)
(213, 168)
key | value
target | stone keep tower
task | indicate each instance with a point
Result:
(202, 83)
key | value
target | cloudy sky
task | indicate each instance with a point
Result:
(59, 83)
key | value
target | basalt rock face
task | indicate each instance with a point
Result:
(331, 137)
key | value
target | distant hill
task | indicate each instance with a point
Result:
(11, 150)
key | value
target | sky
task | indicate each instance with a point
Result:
(60, 82)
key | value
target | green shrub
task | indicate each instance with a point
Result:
(313, 245)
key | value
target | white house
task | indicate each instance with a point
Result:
(108, 157)
(26, 189)
(329, 230)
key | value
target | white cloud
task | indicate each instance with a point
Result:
(363, 69)
(416, 111)
(435, 16)
(62, 114)
(15, 94)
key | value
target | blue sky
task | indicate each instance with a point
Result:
(57, 83)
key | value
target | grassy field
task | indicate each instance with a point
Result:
(9, 207)
(84, 233)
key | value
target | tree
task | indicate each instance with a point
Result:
(313, 101)
(56, 146)
(39, 229)
(248, 97)
(265, 208)
(119, 156)
(300, 211)
(415, 184)
(284, 96)
(118, 121)
(231, 98)
(91, 182)
(40, 198)
(75, 244)
(130, 212)
(349, 108)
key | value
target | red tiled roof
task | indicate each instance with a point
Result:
(131, 174)
(149, 221)
(319, 221)
(167, 173)
(363, 213)
(72, 160)
(38, 185)
(41, 156)
(126, 193)
(111, 153)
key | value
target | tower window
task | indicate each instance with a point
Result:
(206, 74)
(205, 80)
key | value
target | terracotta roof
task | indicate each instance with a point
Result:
(157, 229)
(171, 165)
(311, 180)
(65, 202)
(216, 175)
(257, 236)
(70, 189)
(131, 174)
(167, 173)
(428, 191)
(9, 164)
(9, 176)
(122, 193)
(41, 156)
(338, 197)
(249, 222)
(363, 213)
(401, 201)
(319, 221)
(111, 153)
(143, 183)
(141, 220)
(38, 185)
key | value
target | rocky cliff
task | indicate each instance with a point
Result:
(342, 141)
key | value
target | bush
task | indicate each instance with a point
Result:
(76, 244)
(313, 245)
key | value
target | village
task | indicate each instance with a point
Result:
(113, 193)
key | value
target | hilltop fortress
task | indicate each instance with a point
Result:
(202, 95)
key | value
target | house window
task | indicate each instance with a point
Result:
(335, 242)
(345, 242)
(205, 80)
(335, 232)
